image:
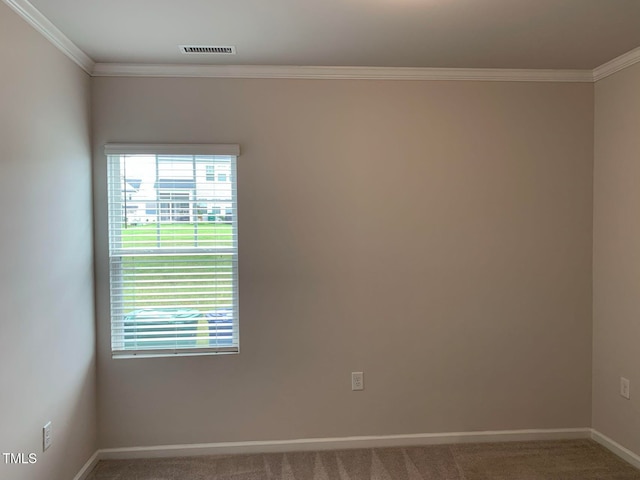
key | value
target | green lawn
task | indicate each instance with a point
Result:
(177, 235)
(160, 280)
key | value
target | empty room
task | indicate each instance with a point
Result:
(320, 240)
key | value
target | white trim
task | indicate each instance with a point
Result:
(42, 24)
(616, 448)
(623, 61)
(341, 443)
(88, 467)
(339, 73)
(355, 442)
(172, 149)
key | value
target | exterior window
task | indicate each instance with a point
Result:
(174, 207)
(210, 173)
(173, 254)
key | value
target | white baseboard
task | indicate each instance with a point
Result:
(341, 443)
(355, 442)
(616, 448)
(89, 466)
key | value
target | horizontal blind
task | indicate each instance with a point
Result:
(171, 149)
(172, 251)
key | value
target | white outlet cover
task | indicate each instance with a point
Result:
(47, 439)
(357, 381)
(625, 388)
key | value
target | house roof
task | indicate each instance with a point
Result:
(133, 182)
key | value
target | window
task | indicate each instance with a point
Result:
(210, 173)
(173, 263)
(174, 207)
(222, 177)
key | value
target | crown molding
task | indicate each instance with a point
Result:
(339, 73)
(623, 61)
(42, 24)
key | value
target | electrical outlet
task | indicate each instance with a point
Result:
(47, 439)
(625, 388)
(357, 381)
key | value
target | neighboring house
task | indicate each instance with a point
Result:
(178, 189)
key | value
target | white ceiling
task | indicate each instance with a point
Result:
(528, 34)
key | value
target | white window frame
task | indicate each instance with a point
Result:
(117, 252)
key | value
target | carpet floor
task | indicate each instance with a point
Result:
(547, 460)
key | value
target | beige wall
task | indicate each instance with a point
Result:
(47, 338)
(435, 235)
(616, 266)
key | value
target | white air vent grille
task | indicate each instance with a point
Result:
(207, 50)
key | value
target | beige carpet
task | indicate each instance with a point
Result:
(552, 460)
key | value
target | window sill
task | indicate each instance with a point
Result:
(128, 356)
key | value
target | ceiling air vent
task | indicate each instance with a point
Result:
(207, 50)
